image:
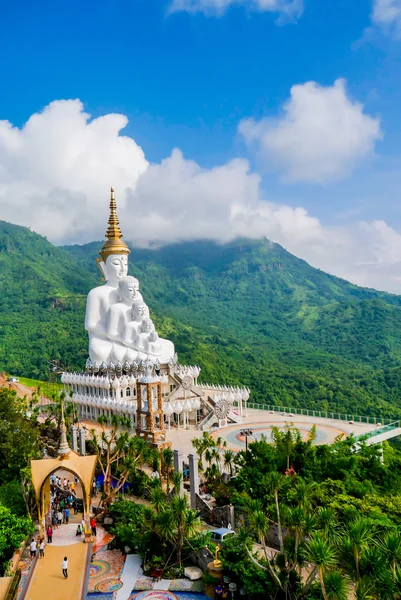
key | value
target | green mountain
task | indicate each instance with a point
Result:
(248, 312)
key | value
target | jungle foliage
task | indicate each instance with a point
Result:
(334, 520)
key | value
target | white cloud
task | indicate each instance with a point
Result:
(286, 9)
(55, 173)
(320, 137)
(387, 14)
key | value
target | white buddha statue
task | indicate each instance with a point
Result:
(117, 319)
(114, 266)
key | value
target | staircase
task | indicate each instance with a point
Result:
(234, 417)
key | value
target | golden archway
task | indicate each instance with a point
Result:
(81, 466)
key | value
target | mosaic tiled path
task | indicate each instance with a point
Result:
(105, 571)
(48, 581)
(162, 595)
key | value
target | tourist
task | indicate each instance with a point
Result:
(32, 548)
(75, 505)
(93, 526)
(76, 480)
(94, 487)
(42, 549)
(52, 479)
(59, 517)
(218, 590)
(79, 530)
(65, 483)
(67, 515)
(72, 487)
(64, 567)
(49, 532)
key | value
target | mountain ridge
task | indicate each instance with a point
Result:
(248, 312)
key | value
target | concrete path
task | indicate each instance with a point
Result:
(131, 572)
(48, 580)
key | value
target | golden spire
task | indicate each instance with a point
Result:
(64, 450)
(114, 243)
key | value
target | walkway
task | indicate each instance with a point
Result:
(48, 580)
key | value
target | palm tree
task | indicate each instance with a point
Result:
(201, 445)
(158, 499)
(185, 521)
(391, 546)
(275, 482)
(300, 522)
(359, 535)
(259, 524)
(365, 589)
(323, 555)
(327, 522)
(176, 479)
(336, 585)
(228, 460)
(168, 462)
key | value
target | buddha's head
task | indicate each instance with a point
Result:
(140, 311)
(147, 326)
(115, 267)
(128, 289)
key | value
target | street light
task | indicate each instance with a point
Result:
(246, 433)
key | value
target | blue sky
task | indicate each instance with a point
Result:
(188, 79)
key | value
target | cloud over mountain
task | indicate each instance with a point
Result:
(320, 137)
(56, 170)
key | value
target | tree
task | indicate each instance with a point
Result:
(119, 454)
(322, 555)
(359, 535)
(13, 530)
(228, 460)
(337, 586)
(391, 547)
(168, 463)
(19, 435)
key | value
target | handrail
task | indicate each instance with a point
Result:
(379, 431)
(13, 587)
(321, 414)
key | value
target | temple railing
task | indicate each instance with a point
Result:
(291, 411)
(379, 431)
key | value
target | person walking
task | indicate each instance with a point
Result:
(49, 532)
(32, 548)
(59, 517)
(64, 567)
(42, 548)
(93, 526)
(67, 515)
(94, 487)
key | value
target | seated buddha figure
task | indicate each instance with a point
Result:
(140, 311)
(150, 344)
(120, 313)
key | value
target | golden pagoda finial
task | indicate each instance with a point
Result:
(64, 450)
(114, 243)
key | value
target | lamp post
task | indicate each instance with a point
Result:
(246, 433)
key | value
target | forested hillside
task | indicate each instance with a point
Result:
(247, 312)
